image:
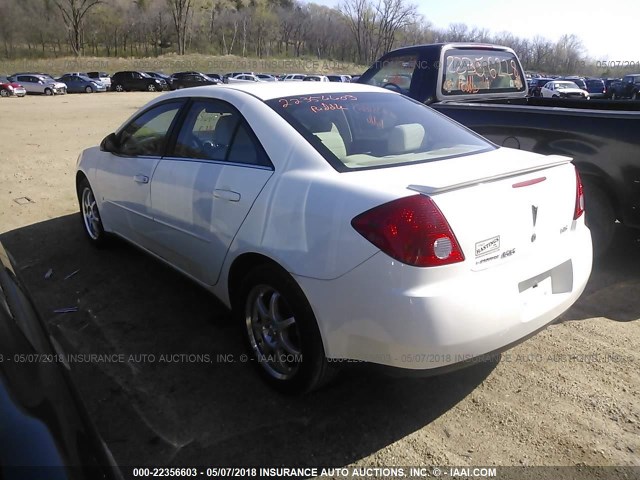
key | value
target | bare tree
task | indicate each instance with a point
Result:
(180, 12)
(394, 16)
(73, 13)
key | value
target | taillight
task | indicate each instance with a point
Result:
(412, 230)
(579, 208)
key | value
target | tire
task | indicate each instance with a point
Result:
(280, 331)
(634, 96)
(119, 87)
(88, 89)
(4, 93)
(48, 91)
(90, 216)
(614, 96)
(151, 87)
(600, 217)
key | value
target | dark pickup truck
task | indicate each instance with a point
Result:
(628, 87)
(484, 88)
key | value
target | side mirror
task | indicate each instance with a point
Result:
(110, 143)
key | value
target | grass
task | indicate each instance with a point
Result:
(171, 63)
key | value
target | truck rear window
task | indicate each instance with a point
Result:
(468, 72)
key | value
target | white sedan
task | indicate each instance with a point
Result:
(563, 89)
(244, 78)
(343, 221)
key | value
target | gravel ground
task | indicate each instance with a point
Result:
(182, 395)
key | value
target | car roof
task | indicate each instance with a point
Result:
(271, 90)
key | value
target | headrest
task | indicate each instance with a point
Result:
(225, 127)
(405, 138)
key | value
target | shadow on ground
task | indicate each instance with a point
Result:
(174, 391)
(612, 291)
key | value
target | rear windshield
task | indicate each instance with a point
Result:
(467, 71)
(356, 131)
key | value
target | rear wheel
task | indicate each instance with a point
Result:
(600, 217)
(281, 331)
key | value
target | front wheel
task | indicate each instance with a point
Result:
(600, 217)
(119, 88)
(48, 91)
(90, 215)
(88, 89)
(151, 87)
(281, 331)
(614, 96)
(4, 93)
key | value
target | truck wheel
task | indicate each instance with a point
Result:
(599, 217)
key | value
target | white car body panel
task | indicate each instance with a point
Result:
(368, 305)
(125, 201)
(197, 209)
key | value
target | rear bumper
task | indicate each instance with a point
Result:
(421, 319)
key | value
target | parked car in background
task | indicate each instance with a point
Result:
(45, 428)
(267, 77)
(563, 89)
(244, 78)
(429, 222)
(82, 84)
(607, 85)
(536, 84)
(579, 81)
(136, 81)
(215, 76)
(191, 79)
(162, 76)
(9, 88)
(315, 78)
(226, 77)
(596, 88)
(628, 87)
(339, 78)
(294, 77)
(39, 84)
(102, 77)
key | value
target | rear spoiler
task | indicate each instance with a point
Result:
(554, 161)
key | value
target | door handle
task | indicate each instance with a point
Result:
(227, 195)
(141, 178)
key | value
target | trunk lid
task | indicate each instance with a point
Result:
(501, 205)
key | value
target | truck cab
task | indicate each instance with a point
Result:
(450, 72)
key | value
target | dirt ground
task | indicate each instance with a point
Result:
(568, 396)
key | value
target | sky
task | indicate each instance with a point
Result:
(607, 33)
